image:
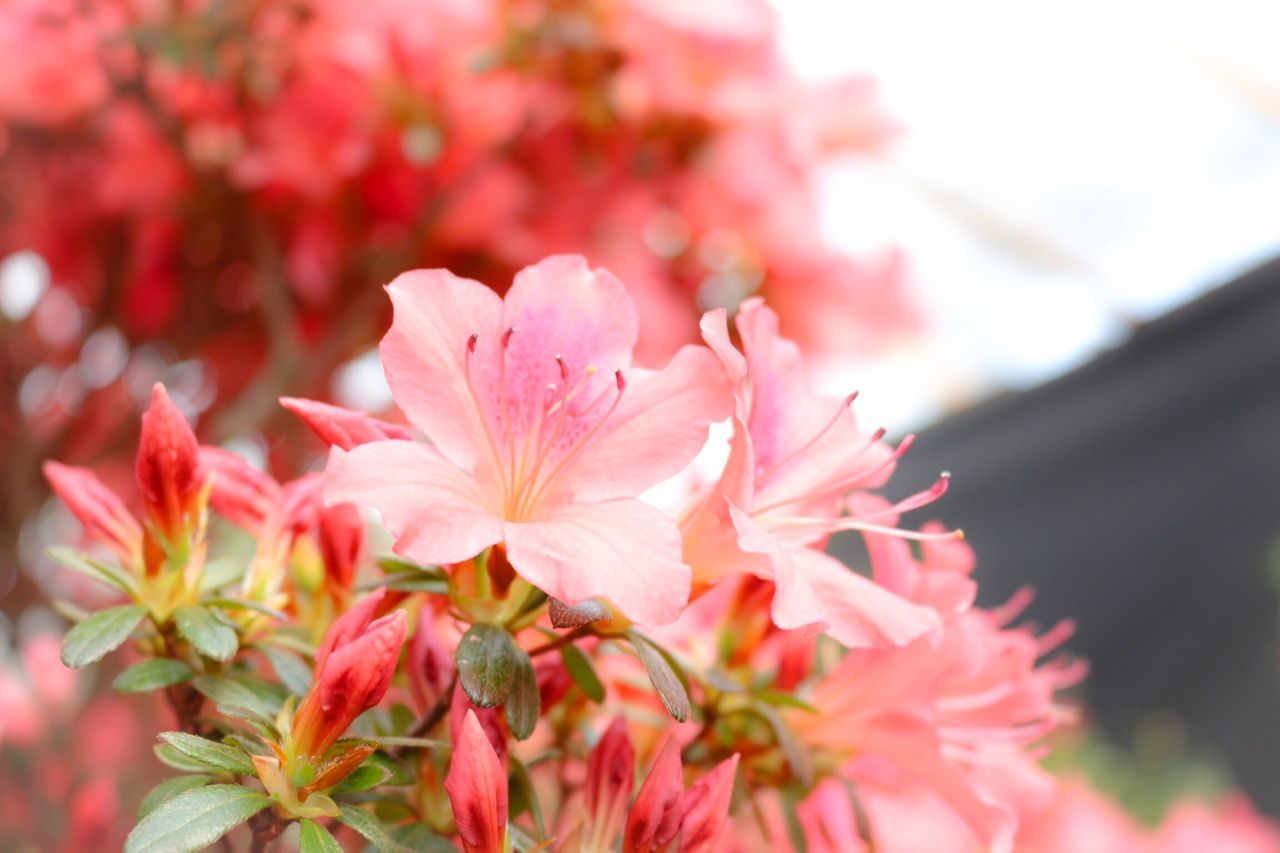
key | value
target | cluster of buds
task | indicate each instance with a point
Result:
(761, 694)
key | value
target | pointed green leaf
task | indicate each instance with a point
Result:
(367, 825)
(314, 838)
(486, 659)
(797, 758)
(524, 795)
(236, 604)
(208, 752)
(524, 703)
(99, 571)
(206, 632)
(664, 676)
(170, 757)
(242, 691)
(222, 572)
(195, 819)
(363, 778)
(293, 670)
(582, 672)
(152, 675)
(102, 632)
(170, 788)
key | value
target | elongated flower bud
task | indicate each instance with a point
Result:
(353, 671)
(339, 427)
(168, 467)
(611, 773)
(477, 788)
(705, 808)
(655, 818)
(103, 514)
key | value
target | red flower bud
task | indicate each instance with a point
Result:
(353, 671)
(705, 808)
(341, 534)
(492, 722)
(168, 467)
(655, 817)
(611, 773)
(339, 427)
(477, 789)
(103, 515)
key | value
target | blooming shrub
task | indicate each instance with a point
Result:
(548, 660)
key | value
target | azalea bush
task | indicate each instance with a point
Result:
(554, 654)
(212, 194)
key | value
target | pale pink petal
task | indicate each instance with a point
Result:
(815, 589)
(433, 508)
(425, 357)
(622, 550)
(659, 426)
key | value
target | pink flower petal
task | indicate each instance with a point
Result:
(424, 356)
(658, 428)
(432, 507)
(623, 550)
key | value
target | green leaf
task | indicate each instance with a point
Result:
(367, 825)
(664, 677)
(99, 571)
(222, 572)
(293, 670)
(170, 788)
(410, 742)
(151, 675)
(195, 819)
(524, 795)
(524, 703)
(417, 837)
(260, 697)
(170, 757)
(797, 758)
(237, 604)
(206, 632)
(582, 672)
(314, 838)
(209, 752)
(394, 564)
(102, 632)
(486, 659)
(362, 779)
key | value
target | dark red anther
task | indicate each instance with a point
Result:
(472, 341)
(506, 337)
(622, 382)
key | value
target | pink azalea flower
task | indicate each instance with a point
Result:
(795, 456)
(542, 434)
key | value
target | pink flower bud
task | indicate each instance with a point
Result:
(339, 427)
(492, 721)
(353, 671)
(168, 467)
(655, 817)
(477, 789)
(341, 534)
(705, 808)
(610, 776)
(103, 515)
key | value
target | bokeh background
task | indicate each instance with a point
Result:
(1037, 234)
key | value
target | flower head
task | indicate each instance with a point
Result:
(542, 434)
(794, 458)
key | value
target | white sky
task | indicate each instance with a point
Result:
(1067, 169)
